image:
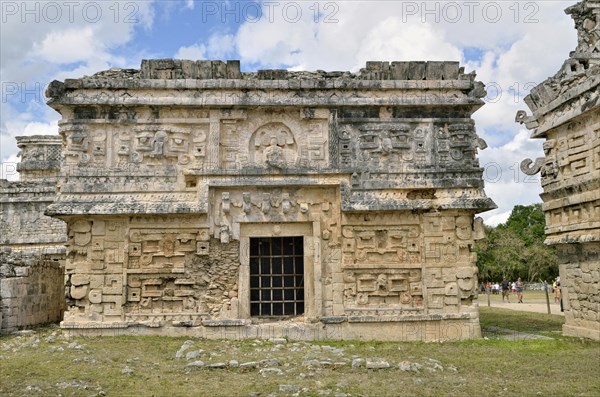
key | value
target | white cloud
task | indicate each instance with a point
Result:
(393, 40)
(504, 182)
(497, 219)
(220, 46)
(194, 52)
(70, 46)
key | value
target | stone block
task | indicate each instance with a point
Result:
(416, 71)
(21, 271)
(399, 70)
(233, 69)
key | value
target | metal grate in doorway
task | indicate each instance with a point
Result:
(276, 276)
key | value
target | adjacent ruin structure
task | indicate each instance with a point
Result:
(23, 225)
(205, 201)
(566, 112)
(32, 245)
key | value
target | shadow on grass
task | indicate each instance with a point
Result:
(494, 320)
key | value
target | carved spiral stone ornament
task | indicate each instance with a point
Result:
(528, 169)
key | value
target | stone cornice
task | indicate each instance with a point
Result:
(218, 84)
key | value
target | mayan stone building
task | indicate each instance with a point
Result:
(32, 247)
(201, 200)
(566, 113)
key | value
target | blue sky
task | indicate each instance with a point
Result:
(512, 45)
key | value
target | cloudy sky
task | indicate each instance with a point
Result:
(512, 45)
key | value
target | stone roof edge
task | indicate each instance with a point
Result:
(218, 69)
(278, 84)
(169, 74)
(49, 139)
(592, 86)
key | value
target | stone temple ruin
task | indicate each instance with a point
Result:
(32, 245)
(566, 112)
(201, 200)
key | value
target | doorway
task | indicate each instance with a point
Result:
(276, 276)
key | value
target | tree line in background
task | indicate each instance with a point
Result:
(516, 248)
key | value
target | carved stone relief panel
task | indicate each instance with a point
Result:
(76, 145)
(386, 146)
(164, 251)
(94, 267)
(449, 287)
(108, 145)
(160, 276)
(273, 145)
(462, 145)
(230, 146)
(571, 150)
(405, 145)
(448, 239)
(376, 244)
(434, 245)
(274, 139)
(569, 218)
(233, 206)
(382, 290)
(159, 144)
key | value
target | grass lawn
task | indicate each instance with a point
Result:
(48, 363)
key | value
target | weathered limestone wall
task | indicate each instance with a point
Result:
(32, 250)
(172, 172)
(566, 112)
(580, 266)
(31, 288)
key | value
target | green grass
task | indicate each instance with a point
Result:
(520, 321)
(493, 366)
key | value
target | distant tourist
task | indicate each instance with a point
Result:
(505, 290)
(519, 288)
(556, 289)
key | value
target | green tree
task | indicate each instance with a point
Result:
(516, 248)
(528, 222)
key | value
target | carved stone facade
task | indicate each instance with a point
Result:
(205, 201)
(566, 112)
